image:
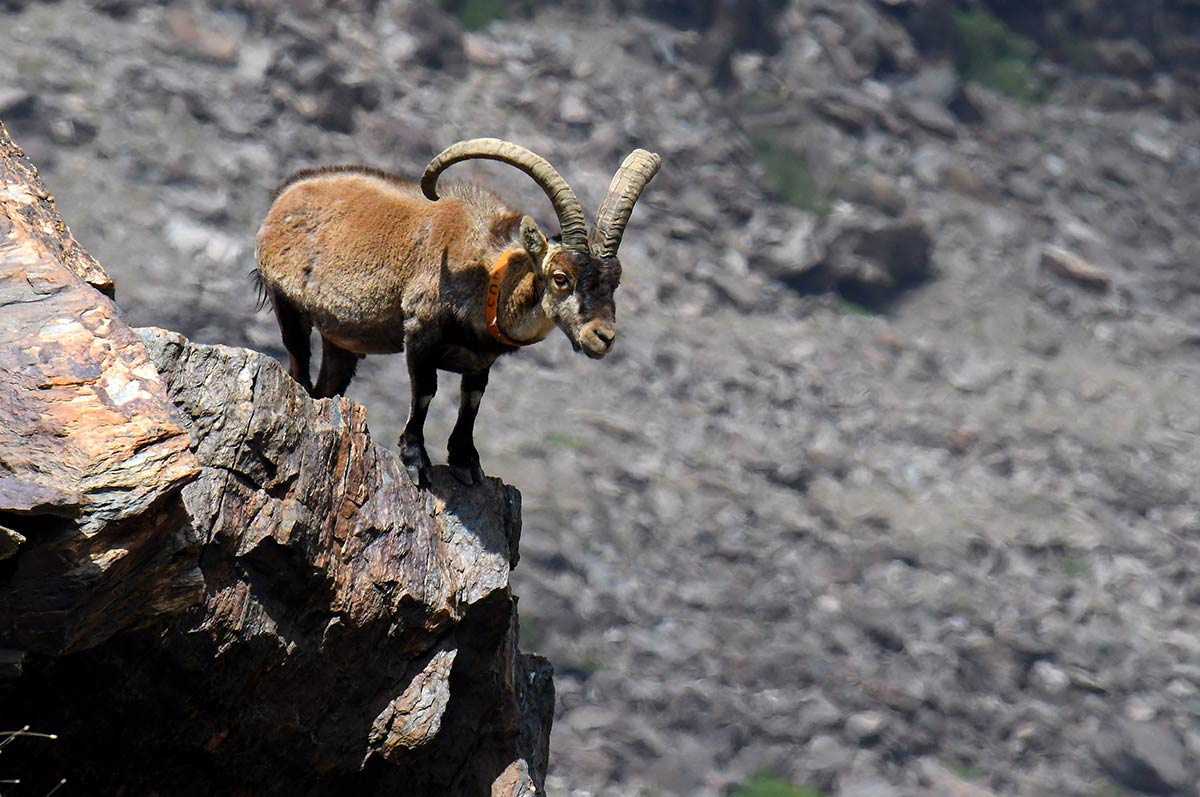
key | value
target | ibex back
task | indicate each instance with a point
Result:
(380, 265)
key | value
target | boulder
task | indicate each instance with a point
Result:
(866, 259)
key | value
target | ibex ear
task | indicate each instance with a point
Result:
(533, 241)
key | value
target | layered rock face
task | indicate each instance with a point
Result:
(210, 583)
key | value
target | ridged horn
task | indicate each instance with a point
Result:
(570, 213)
(627, 184)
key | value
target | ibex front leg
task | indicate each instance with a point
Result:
(464, 459)
(422, 374)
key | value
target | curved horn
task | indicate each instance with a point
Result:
(638, 169)
(570, 212)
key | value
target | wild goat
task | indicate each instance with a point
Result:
(377, 268)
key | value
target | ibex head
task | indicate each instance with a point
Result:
(578, 272)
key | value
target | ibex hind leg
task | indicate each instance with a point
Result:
(337, 369)
(297, 332)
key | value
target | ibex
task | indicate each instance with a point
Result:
(454, 283)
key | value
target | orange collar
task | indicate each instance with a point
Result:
(492, 306)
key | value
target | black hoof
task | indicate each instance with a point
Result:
(419, 475)
(467, 474)
(417, 463)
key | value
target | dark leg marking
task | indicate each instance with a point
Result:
(464, 459)
(337, 369)
(296, 331)
(423, 376)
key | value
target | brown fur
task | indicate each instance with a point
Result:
(359, 252)
(343, 168)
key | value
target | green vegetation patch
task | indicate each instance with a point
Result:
(764, 785)
(994, 55)
(476, 14)
(963, 769)
(1076, 566)
(789, 176)
(562, 440)
(762, 101)
(848, 307)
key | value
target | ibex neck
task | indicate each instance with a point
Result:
(513, 308)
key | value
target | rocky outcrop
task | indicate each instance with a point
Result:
(91, 460)
(952, 539)
(867, 260)
(210, 583)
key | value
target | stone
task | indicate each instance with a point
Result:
(939, 83)
(414, 717)
(854, 111)
(330, 98)
(896, 48)
(16, 103)
(865, 259)
(187, 31)
(10, 541)
(573, 110)
(865, 725)
(85, 422)
(69, 132)
(819, 713)
(115, 8)
(1050, 678)
(961, 178)
(1154, 145)
(826, 753)
(878, 191)
(867, 787)
(25, 201)
(1143, 756)
(29, 498)
(438, 39)
(1070, 266)
(932, 116)
(515, 781)
(873, 262)
(942, 782)
(1125, 57)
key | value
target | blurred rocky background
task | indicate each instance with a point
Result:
(887, 489)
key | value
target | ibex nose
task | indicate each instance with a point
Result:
(596, 338)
